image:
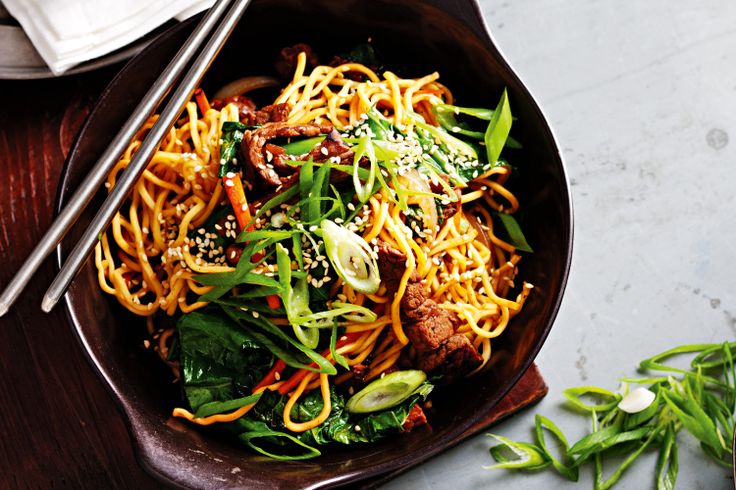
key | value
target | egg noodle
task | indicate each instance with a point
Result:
(145, 258)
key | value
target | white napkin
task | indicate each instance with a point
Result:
(68, 32)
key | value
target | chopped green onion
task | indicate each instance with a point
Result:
(565, 469)
(364, 148)
(295, 299)
(498, 129)
(386, 392)
(339, 358)
(303, 146)
(213, 408)
(351, 256)
(667, 465)
(574, 396)
(513, 231)
(270, 331)
(699, 403)
(528, 456)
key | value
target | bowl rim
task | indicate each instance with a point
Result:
(142, 451)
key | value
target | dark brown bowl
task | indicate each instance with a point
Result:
(415, 37)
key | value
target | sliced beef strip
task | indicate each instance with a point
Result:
(332, 146)
(430, 329)
(249, 115)
(267, 114)
(277, 158)
(254, 142)
(244, 104)
(287, 59)
(391, 266)
(427, 325)
(454, 358)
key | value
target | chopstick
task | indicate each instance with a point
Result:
(70, 213)
(139, 162)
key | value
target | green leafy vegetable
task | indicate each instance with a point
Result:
(251, 436)
(219, 361)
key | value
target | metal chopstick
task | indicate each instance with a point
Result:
(139, 162)
(97, 175)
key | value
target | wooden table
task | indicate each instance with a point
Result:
(59, 426)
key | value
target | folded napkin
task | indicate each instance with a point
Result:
(68, 32)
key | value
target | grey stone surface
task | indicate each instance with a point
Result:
(642, 97)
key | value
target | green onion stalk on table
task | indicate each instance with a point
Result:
(647, 414)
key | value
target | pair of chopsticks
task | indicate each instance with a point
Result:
(223, 22)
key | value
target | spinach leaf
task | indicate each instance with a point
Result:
(219, 360)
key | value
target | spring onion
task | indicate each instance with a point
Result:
(701, 401)
(351, 256)
(498, 129)
(364, 148)
(528, 456)
(386, 392)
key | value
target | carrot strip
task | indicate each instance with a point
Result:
(202, 102)
(270, 377)
(236, 195)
